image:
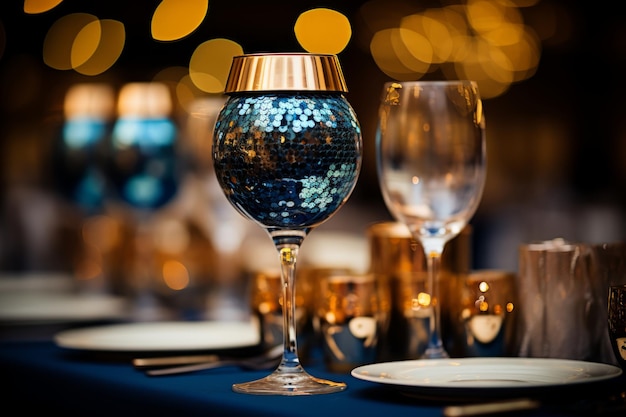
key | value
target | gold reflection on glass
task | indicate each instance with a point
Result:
(175, 19)
(323, 31)
(422, 300)
(39, 6)
(210, 64)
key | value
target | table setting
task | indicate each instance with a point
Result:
(287, 153)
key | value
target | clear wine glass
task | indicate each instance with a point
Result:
(431, 161)
(287, 153)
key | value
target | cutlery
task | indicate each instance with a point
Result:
(142, 363)
(265, 360)
(495, 407)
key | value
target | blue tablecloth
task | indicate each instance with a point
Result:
(38, 375)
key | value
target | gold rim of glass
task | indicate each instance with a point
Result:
(285, 72)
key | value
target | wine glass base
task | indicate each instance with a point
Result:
(294, 381)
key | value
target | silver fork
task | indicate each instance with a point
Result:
(266, 360)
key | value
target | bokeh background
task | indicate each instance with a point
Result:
(551, 73)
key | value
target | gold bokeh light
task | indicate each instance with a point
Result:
(40, 6)
(323, 31)
(174, 19)
(57, 47)
(111, 37)
(210, 64)
(481, 40)
(82, 42)
(85, 43)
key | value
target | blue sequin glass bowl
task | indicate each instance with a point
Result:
(287, 160)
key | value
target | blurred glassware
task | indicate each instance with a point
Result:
(563, 290)
(77, 159)
(553, 288)
(88, 115)
(352, 317)
(144, 168)
(398, 262)
(143, 164)
(488, 315)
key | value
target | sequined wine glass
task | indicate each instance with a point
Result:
(287, 154)
(431, 160)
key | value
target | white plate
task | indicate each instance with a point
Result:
(162, 336)
(49, 298)
(41, 307)
(483, 376)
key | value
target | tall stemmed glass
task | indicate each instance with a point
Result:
(431, 161)
(144, 170)
(287, 153)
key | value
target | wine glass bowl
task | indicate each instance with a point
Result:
(287, 153)
(287, 177)
(431, 161)
(143, 165)
(88, 111)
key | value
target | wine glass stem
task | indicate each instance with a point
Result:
(435, 347)
(288, 254)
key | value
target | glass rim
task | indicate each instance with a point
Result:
(432, 82)
(285, 71)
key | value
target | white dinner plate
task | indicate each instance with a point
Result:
(161, 336)
(465, 377)
(58, 307)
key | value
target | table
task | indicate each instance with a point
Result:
(39, 376)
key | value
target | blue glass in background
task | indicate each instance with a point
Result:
(144, 168)
(88, 110)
